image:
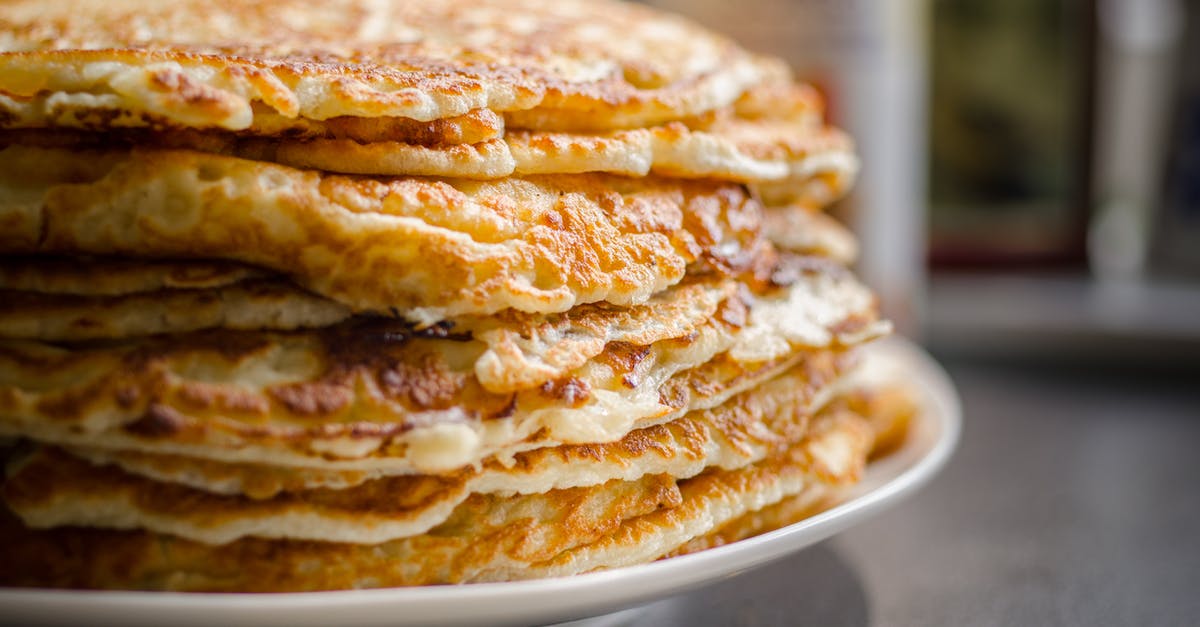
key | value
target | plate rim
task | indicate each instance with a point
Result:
(544, 600)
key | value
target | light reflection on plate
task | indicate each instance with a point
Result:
(932, 439)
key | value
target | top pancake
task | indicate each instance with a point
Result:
(572, 65)
(772, 134)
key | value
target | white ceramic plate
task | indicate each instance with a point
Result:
(934, 436)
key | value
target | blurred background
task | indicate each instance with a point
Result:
(1029, 210)
(1031, 168)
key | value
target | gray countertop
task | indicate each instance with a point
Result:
(1072, 500)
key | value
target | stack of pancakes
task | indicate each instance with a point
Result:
(302, 295)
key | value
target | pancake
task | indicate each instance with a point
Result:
(478, 126)
(817, 191)
(114, 277)
(473, 127)
(728, 149)
(249, 305)
(740, 429)
(830, 458)
(485, 532)
(554, 66)
(71, 300)
(51, 488)
(377, 394)
(366, 293)
(788, 146)
(793, 509)
(806, 231)
(888, 407)
(487, 538)
(524, 349)
(540, 244)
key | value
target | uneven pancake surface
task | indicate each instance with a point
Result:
(487, 538)
(248, 305)
(54, 488)
(539, 244)
(561, 65)
(376, 394)
(365, 293)
(116, 306)
(738, 143)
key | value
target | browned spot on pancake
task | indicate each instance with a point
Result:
(190, 91)
(701, 219)
(672, 395)
(313, 399)
(625, 359)
(234, 346)
(734, 312)
(427, 386)
(659, 439)
(553, 220)
(206, 395)
(159, 421)
(571, 390)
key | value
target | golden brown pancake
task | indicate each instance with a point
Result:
(789, 146)
(540, 244)
(364, 293)
(557, 66)
(376, 394)
(742, 427)
(523, 350)
(487, 538)
(542, 343)
(792, 509)
(486, 533)
(91, 276)
(247, 305)
(888, 408)
(92, 298)
(51, 488)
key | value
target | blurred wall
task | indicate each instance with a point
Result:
(869, 59)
